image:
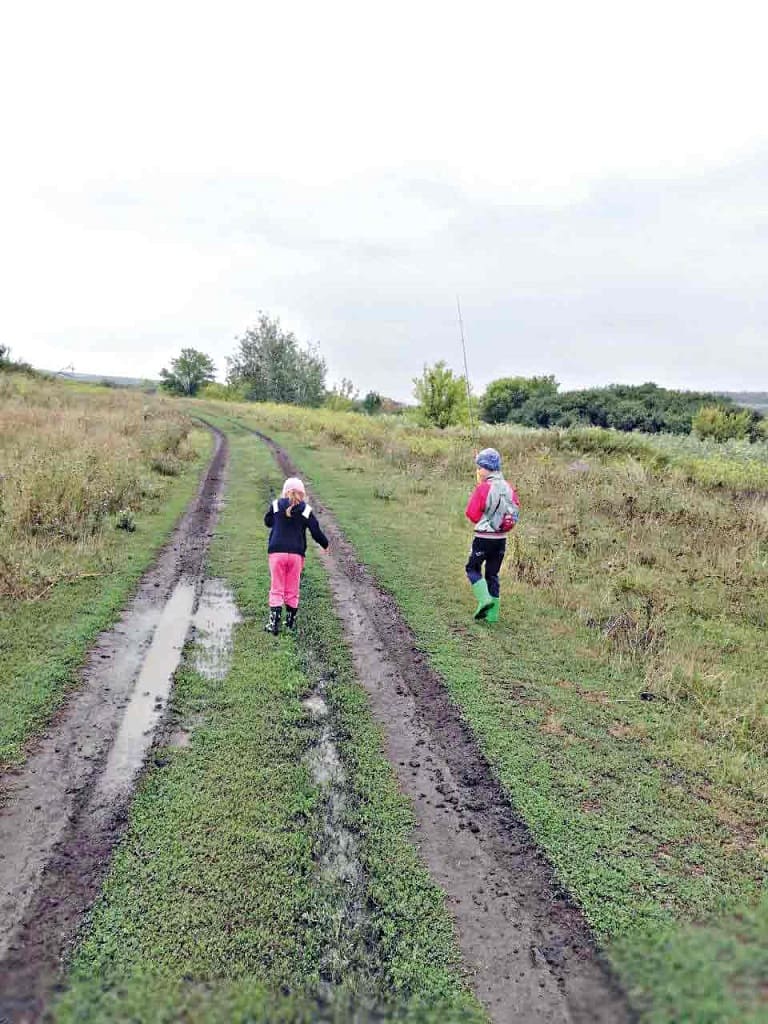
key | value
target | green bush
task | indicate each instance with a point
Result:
(510, 393)
(125, 520)
(222, 392)
(442, 397)
(722, 424)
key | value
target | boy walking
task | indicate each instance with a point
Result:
(494, 508)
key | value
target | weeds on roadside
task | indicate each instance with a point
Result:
(70, 461)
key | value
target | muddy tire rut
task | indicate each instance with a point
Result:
(530, 953)
(62, 813)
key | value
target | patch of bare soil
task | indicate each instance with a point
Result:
(63, 811)
(529, 949)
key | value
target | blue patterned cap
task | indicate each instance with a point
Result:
(489, 459)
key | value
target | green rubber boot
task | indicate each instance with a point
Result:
(493, 611)
(484, 599)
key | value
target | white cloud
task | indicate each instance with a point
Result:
(582, 173)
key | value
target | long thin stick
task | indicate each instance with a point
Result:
(466, 374)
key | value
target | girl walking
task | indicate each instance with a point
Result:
(288, 519)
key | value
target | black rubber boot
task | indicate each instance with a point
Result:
(290, 617)
(273, 622)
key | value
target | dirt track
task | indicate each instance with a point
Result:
(529, 949)
(62, 813)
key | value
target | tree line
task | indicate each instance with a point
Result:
(270, 365)
(537, 402)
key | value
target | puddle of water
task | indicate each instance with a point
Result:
(316, 706)
(339, 859)
(147, 704)
(214, 622)
(324, 763)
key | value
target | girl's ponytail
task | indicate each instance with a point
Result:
(295, 498)
(293, 490)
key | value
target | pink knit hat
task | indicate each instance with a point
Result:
(293, 484)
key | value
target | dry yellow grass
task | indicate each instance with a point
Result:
(71, 459)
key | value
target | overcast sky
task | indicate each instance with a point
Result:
(591, 178)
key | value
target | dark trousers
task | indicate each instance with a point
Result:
(490, 551)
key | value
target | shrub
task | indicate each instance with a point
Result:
(722, 424)
(372, 403)
(9, 365)
(222, 392)
(509, 393)
(125, 520)
(342, 397)
(442, 397)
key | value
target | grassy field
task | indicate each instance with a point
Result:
(622, 699)
(216, 908)
(72, 459)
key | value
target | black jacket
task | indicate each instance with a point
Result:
(288, 534)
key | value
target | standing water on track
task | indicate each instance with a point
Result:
(213, 622)
(145, 708)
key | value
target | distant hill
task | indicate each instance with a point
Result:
(106, 379)
(751, 399)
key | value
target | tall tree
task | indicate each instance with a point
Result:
(188, 373)
(271, 366)
(442, 397)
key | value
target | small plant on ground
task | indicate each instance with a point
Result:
(125, 520)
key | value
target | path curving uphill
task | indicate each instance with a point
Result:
(63, 811)
(529, 950)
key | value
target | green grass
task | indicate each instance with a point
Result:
(670, 573)
(43, 643)
(640, 811)
(214, 908)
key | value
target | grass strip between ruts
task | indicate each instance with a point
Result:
(44, 643)
(671, 886)
(214, 908)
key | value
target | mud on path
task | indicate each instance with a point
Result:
(63, 811)
(529, 950)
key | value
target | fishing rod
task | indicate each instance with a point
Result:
(472, 430)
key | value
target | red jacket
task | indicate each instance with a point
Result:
(476, 506)
(477, 502)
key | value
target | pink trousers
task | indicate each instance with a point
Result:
(286, 580)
